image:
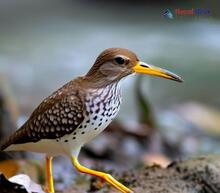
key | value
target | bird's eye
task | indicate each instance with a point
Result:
(119, 60)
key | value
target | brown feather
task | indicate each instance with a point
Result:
(108, 55)
(54, 117)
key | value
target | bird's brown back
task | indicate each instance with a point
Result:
(59, 114)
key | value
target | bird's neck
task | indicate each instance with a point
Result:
(111, 89)
(98, 81)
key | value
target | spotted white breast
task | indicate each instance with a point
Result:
(102, 105)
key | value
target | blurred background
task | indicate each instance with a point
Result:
(45, 43)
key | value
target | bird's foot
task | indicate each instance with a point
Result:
(105, 177)
(108, 178)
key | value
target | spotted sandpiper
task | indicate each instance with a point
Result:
(80, 110)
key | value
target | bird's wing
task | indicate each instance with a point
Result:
(58, 115)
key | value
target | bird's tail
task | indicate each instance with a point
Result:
(13, 139)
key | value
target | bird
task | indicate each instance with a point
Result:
(79, 111)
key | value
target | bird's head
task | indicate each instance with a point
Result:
(115, 63)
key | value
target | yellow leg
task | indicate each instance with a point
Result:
(50, 186)
(106, 177)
